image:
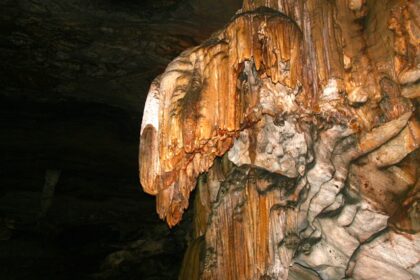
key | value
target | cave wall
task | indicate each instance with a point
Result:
(298, 124)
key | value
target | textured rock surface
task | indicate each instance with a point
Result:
(298, 123)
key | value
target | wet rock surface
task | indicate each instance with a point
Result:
(298, 126)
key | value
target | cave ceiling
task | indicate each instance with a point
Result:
(77, 71)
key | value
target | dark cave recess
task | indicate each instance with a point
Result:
(75, 75)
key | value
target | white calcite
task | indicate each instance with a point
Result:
(389, 256)
(151, 108)
(280, 148)
(355, 5)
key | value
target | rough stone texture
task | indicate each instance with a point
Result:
(298, 123)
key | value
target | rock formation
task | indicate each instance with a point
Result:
(297, 124)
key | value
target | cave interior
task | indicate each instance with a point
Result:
(291, 127)
(75, 76)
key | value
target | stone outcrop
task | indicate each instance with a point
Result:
(298, 127)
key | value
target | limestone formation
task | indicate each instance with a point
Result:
(297, 124)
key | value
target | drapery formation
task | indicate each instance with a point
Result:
(298, 125)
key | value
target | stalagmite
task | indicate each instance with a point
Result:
(298, 127)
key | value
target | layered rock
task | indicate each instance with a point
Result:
(301, 128)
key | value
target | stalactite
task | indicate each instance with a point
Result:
(298, 124)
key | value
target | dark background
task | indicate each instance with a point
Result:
(74, 76)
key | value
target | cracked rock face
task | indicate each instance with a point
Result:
(299, 129)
